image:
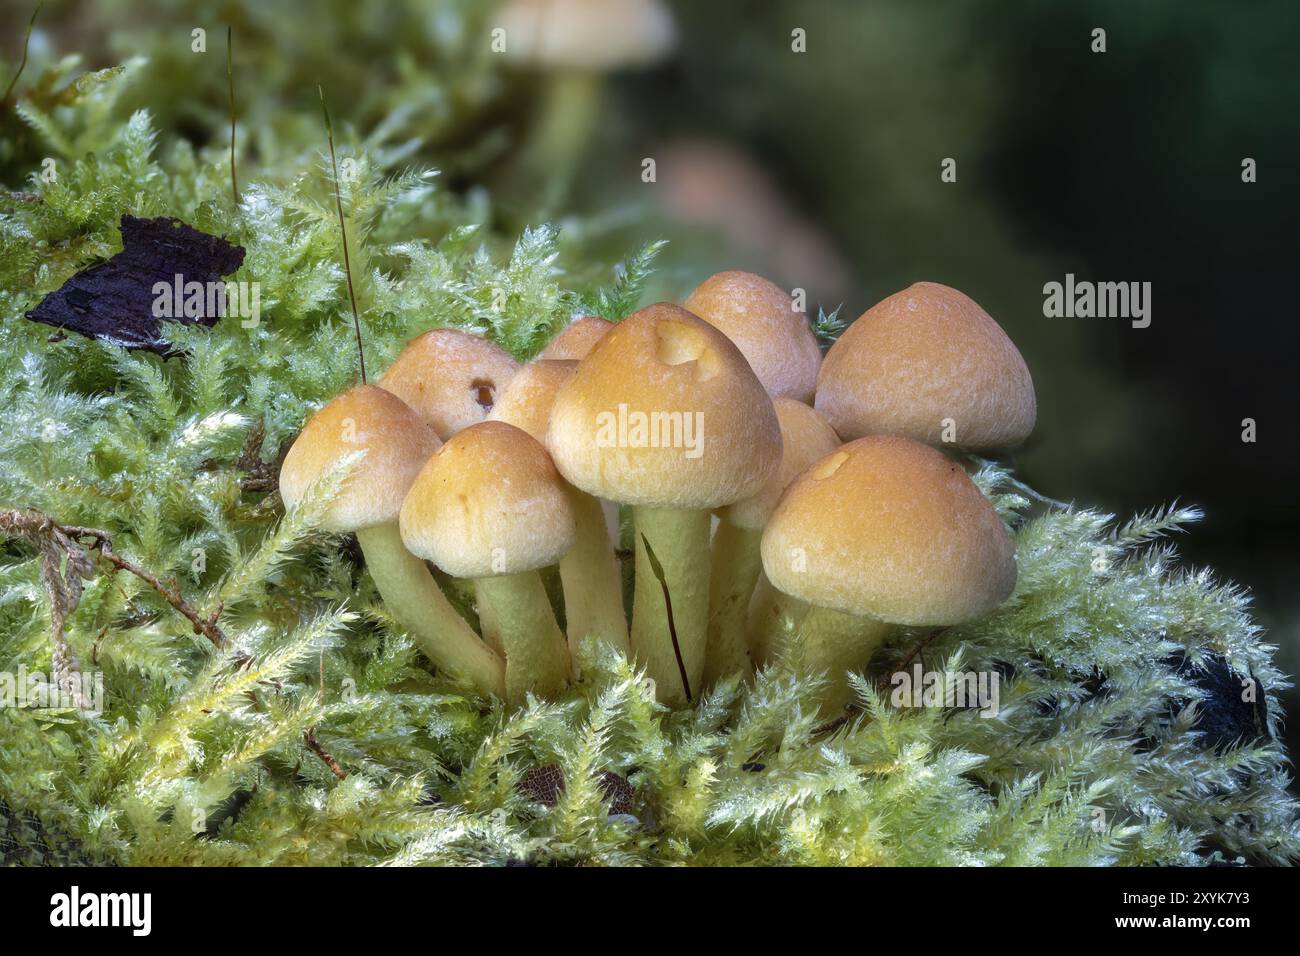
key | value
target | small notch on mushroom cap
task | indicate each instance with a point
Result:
(680, 343)
(663, 361)
(886, 528)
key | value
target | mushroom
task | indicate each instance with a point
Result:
(761, 319)
(490, 506)
(451, 378)
(587, 36)
(883, 531)
(577, 338)
(712, 185)
(526, 402)
(575, 42)
(396, 444)
(805, 438)
(929, 364)
(666, 415)
(589, 572)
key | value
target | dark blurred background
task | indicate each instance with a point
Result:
(821, 169)
(1116, 166)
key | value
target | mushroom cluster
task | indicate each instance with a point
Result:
(771, 491)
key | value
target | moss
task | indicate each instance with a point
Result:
(205, 756)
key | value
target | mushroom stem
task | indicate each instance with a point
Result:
(537, 658)
(773, 615)
(593, 587)
(680, 540)
(613, 521)
(836, 643)
(737, 563)
(415, 600)
(571, 105)
(487, 620)
(463, 596)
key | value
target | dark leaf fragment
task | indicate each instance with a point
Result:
(113, 301)
(1227, 715)
(545, 784)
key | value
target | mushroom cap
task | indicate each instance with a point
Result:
(923, 355)
(760, 318)
(805, 438)
(396, 445)
(665, 412)
(594, 35)
(576, 339)
(490, 502)
(888, 528)
(526, 402)
(451, 378)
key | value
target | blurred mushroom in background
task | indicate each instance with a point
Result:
(716, 186)
(574, 44)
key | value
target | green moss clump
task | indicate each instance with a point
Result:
(206, 755)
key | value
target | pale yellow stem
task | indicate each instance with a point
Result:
(774, 617)
(736, 566)
(680, 539)
(593, 586)
(413, 597)
(537, 657)
(487, 620)
(838, 644)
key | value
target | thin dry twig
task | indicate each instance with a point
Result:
(850, 709)
(63, 566)
(672, 624)
(71, 546)
(207, 626)
(230, 79)
(920, 647)
(309, 738)
(27, 40)
(343, 229)
(55, 540)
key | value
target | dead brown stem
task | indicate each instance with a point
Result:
(55, 541)
(309, 737)
(74, 541)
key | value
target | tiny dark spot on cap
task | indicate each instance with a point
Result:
(484, 392)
